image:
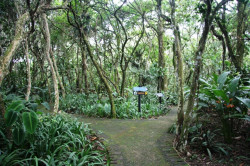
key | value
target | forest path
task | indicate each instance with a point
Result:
(138, 142)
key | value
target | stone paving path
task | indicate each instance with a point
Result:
(138, 142)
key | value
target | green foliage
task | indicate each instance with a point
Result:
(18, 115)
(11, 117)
(126, 108)
(228, 96)
(172, 129)
(57, 141)
(18, 136)
(30, 121)
(206, 139)
(46, 105)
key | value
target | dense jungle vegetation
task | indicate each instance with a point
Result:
(63, 57)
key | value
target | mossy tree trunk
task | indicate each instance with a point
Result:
(221, 38)
(101, 75)
(57, 73)
(5, 60)
(2, 106)
(81, 28)
(241, 28)
(178, 55)
(237, 58)
(161, 60)
(84, 69)
(28, 70)
(209, 17)
(47, 52)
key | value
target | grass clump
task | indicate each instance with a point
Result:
(58, 140)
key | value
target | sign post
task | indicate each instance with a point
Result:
(140, 91)
(160, 95)
(139, 103)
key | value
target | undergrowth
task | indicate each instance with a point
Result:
(126, 107)
(54, 140)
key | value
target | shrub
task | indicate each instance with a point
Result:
(126, 107)
(206, 139)
(229, 97)
(28, 137)
(56, 141)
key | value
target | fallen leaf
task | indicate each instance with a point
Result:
(93, 138)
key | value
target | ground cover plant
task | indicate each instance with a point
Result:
(220, 128)
(45, 139)
(207, 145)
(127, 107)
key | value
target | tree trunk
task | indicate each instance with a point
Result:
(28, 70)
(47, 52)
(93, 82)
(177, 53)
(5, 60)
(2, 107)
(240, 31)
(222, 25)
(116, 78)
(102, 77)
(77, 72)
(198, 63)
(84, 70)
(161, 60)
(123, 80)
(57, 74)
(116, 72)
(221, 38)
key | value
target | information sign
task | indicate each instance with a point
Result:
(140, 91)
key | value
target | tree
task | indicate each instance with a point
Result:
(208, 19)
(124, 60)
(47, 52)
(19, 35)
(177, 53)
(161, 60)
(102, 77)
(28, 70)
(241, 28)
(80, 22)
(235, 55)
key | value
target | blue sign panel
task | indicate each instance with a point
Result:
(140, 89)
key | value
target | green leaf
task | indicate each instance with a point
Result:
(210, 154)
(15, 106)
(11, 117)
(245, 101)
(204, 82)
(46, 105)
(208, 93)
(233, 85)
(18, 136)
(246, 118)
(223, 150)
(30, 121)
(234, 116)
(202, 104)
(244, 87)
(215, 78)
(222, 79)
(222, 94)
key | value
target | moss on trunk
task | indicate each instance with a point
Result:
(5, 60)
